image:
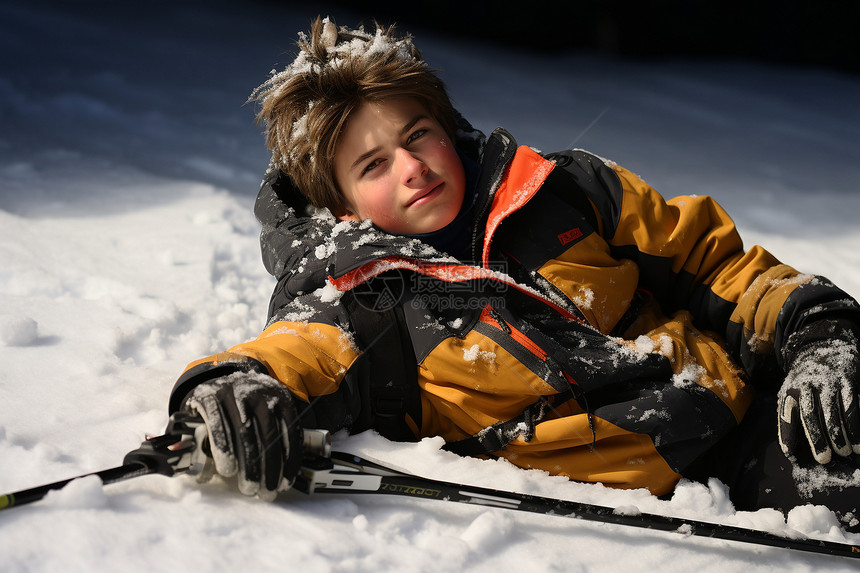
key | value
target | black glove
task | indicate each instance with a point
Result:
(252, 430)
(818, 401)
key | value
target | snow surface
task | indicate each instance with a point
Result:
(128, 170)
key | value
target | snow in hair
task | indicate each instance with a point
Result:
(315, 56)
(332, 67)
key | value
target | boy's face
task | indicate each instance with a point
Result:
(396, 166)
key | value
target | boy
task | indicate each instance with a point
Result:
(552, 309)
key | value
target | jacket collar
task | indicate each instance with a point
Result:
(314, 246)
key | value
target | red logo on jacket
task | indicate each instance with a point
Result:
(570, 236)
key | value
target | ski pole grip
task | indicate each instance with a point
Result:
(174, 452)
(316, 443)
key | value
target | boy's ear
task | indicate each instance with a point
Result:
(344, 214)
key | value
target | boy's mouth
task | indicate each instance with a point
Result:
(426, 194)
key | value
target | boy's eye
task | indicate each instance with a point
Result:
(371, 166)
(411, 139)
(415, 135)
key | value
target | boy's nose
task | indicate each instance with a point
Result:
(413, 167)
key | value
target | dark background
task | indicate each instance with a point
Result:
(808, 33)
(162, 85)
(813, 33)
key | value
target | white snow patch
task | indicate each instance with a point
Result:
(329, 293)
(474, 352)
(17, 330)
(82, 493)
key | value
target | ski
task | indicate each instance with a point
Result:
(346, 473)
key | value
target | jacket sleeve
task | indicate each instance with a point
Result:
(691, 257)
(310, 356)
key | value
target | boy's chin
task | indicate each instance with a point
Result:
(432, 226)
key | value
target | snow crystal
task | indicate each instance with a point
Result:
(817, 478)
(662, 345)
(365, 238)
(284, 330)
(362, 47)
(689, 375)
(298, 312)
(298, 132)
(639, 349)
(646, 344)
(763, 282)
(474, 352)
(244, 383)
(471, 354)
(585, 299)
(340, 227)
(325, 250)
(323, 215)
(654, 413)
(346, 341)
(328, 293)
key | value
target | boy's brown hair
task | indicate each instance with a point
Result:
(305, 107)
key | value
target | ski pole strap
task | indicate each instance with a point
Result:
(497, 437)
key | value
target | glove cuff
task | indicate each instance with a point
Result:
(819, 333)
(206, 371)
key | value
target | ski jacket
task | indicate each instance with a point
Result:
(600, 332)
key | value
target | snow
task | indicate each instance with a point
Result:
(474, 352)
(128, 171)
(17, 330)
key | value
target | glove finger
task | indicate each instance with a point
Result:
(851, 419)
(246, 440)
(221, 444)
(292, 433)
(270, 434)
(790, 428)
(813, 426)
(832, 411)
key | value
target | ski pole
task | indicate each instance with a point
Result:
(172, 453)
(184, 448)
(346, 473)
